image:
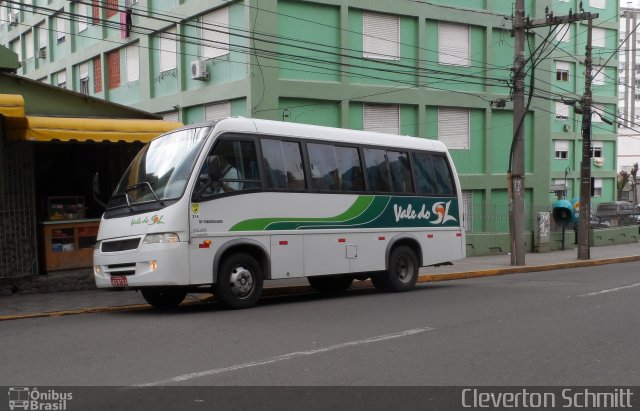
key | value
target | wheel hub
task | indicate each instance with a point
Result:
(241, 282)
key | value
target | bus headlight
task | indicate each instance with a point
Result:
(161, 238)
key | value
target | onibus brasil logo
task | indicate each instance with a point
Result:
(25, 398)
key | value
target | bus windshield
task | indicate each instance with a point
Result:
(161, 169)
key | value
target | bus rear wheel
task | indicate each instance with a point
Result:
(333, 284)
(239, 281)
(402, 273)
(163, 298)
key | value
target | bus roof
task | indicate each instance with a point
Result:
(279, 128)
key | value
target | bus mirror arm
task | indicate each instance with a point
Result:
(96, 190)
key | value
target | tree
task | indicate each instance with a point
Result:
(621, 181)
(634, 173)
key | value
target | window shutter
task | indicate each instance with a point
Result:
(381, 36)
(562, 33)
(168, 50)
(215, 33)
(561, 145)
(562, 65)
(598, 37)
(170, 116)
(43, 37)
(16, 47)
(113, 62)
(84, 70)
(28, 45)
(217, 111)
(61, 78)
(60, 28)
(453, 127)
(382, 118)
(597, 4)
(82, 17)
(97, 75)
(133, 62)
(562, 110)
(467, 217)
(453, 44)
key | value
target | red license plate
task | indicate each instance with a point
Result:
(119, 281)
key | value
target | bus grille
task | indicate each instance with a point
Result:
(122, 269)
(120, 245)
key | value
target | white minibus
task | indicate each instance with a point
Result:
(223, 206)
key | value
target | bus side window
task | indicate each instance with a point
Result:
(377, 170)
(425, 181)
(324, 168)
(283, 164)
(400, 172)
(351, 176)
(443, 177)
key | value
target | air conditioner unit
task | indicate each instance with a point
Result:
(199, 70)
(13, 19)
(567, 127)
(42, 53)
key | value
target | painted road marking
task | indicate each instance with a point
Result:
(285, 357)
(612, 290)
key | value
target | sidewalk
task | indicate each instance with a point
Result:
(76, 302)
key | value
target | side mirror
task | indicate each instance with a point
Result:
(213, 168)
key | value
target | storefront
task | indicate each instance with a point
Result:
(47, 169)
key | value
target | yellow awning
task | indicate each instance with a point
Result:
(86, 129)
(12, 105)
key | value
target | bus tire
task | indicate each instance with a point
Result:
(163, 298)
(330, 284)
(402, 273)
(240, 281)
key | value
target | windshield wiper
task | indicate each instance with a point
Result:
(127, 199)
(143, 184)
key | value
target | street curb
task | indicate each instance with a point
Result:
(302, 289)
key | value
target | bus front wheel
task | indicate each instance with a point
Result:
(163, 298)
(239, 281)
(402, 273)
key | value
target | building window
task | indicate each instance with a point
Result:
(132, 54)
(16, 47)
(453, 127)
(83, 70)
(467, 216)
(61, 79)
(598, 37)
(215, 33)
(28, 45)
(596, 149)
(562, 33)
(168, 50)
(380, 36)
(60, 30)
(43, 41)
(597, 76)
(453, 44)
(97, 75)
(562, 111)
(113, 63)
(596, 187)
(217, 111)
(597, 4)
(381, 118)
(171, 116)
(562, 149)
(112, 8)
(82, 17)
(562, 70)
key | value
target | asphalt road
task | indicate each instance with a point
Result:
(566, 327)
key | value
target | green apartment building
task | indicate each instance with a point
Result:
(438, 69)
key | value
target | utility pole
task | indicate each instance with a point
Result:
(516, 174)
(521, 24)
(584, 252)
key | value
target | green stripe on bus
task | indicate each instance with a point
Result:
(260, 224)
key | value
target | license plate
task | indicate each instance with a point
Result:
(119, 281)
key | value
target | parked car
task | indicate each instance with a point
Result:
(615, 213)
